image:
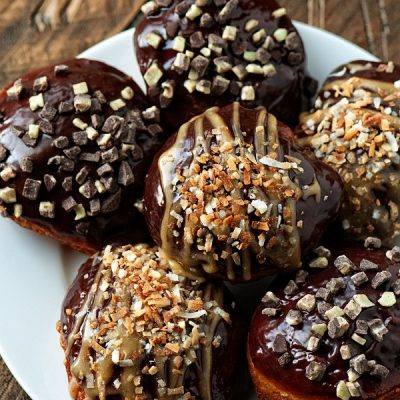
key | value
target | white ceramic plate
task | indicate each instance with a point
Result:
(35, 272)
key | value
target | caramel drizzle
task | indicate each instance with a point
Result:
(101, 386)
(169, 161)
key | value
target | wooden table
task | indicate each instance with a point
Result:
(38, 32)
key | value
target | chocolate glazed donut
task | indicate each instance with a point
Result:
(199, 54)
(231, 196)
(355, 128)
(331, 333)
(148, 333)
(75, 143)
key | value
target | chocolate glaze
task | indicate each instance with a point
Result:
(371, 202)
(291, 378)
(283, 94)
(115, 226)
(226, 358)
(317, 215)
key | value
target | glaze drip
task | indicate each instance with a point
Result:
(140, 323)
(221, 191)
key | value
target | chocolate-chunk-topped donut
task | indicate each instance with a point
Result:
(132, 329)
(333, 331)
(75, 143)
(231, 196)
(355, 128)
(204, 53)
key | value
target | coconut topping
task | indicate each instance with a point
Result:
(137, 317)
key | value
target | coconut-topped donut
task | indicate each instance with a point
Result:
(355, 128)
(75, 142)
(331, 333)
(198, 54)
(231, 196)
(132, 329)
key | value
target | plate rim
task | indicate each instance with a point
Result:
(121, 36)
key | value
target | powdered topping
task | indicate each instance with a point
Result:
(352, 312)
(137, 317)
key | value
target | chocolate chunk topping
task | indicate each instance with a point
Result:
(366, 265)
(90, 157)
(315, 371)
(73, 152)
(31, 189)
(111, 203)
(83, 228)
(80, 138)
(49, 181)
(110, 156)
(111, 124)
(95, 207)
(67, 183)
(82, 175)
(97, 121)
(46, 127)
(280, 344)
(125, 174)
(48, 112)
(65, 107)
(61, 69)
(291, 288)
(61, 142)
(26, 164)
(69, 204)
(377, 328)
(105, 169)
(379, 371)
(359, 278)
(88, 189)
(337, 327)
(380, 278)
(361, 327)
(98, 94)
(285, 359)
(359, 363)
(197, 40)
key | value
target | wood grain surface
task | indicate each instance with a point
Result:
(38, 32)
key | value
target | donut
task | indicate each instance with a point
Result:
(331, 332)
(197, 54)
(76, 140)
(231, 196)
(133, 329)
(355, 128)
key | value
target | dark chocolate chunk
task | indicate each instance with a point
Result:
(293, 42)
(88, 189)
(380, 278)
(335, 285)
(172, 28)
(197, 40)
(324, 294)
(206, 20)
(95, 207)
(238, 47)
(234, 88)
(125, 174)
(61, 142)
(111, 203)
(40, 84)
(361, 327)
(379, 371)
(17, 131)
(377, 328)
(49, 181)
(73, 152)
(80, 138)
(111, 155)
(135, 118)
(200, 65)
(262, 55)
(97, 121)
(61, 69)
(98, 94)
(31, 142)
(366, 265)
(359, 363)
(337, 327)
(105, 169)
(111, 124)
(95, 106)
(285, 359)
(295, 58)
(154, 129)
(219, 85)
(83, 228)
(291, 288)
(69, 203)
(26, 164)
(48, 112)
(323, 307)
(82, 175)
(109, 183)
(227, 11)
(66, 164)
(137, 153)
(31, 189)
(3, 153)
(67, 183)
(396, 287)
(315, 371)
(182, 7)
(280, 345)
(46, 127)
(65, 107)
(90, 157)
(359, 278)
